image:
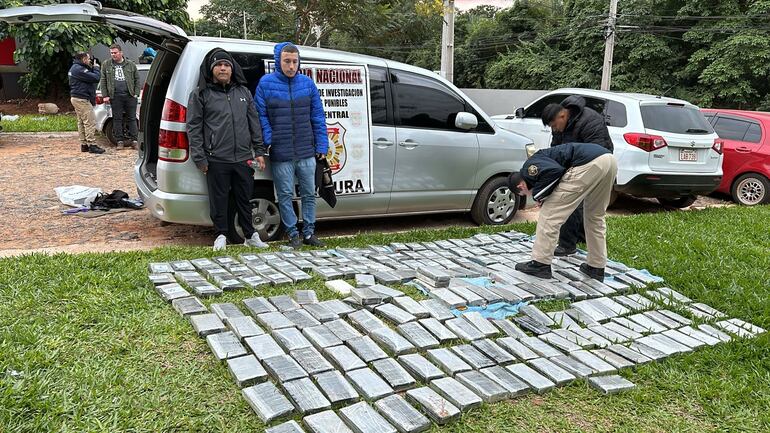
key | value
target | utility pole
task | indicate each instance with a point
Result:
(609, 45)
(244, 25)
(448, 41)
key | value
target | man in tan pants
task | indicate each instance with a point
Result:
(83, 78)
(559, 179)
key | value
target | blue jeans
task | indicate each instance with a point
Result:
(284, 174)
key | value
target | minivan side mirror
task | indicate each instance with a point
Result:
(466, 120)
(519, 113)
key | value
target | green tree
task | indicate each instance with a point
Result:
(304, 22)
(47, 48)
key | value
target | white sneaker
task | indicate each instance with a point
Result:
(220, 243)
(255, 242)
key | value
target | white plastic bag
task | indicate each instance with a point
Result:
(77, 195)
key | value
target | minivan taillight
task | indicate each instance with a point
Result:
(646, 142)
(173, 145)
(173, 111)
(719, 144)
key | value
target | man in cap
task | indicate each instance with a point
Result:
(572, 122)
(294, 126)
(225, 138)
(559, 179)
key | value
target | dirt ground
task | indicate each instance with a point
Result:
(34, 164)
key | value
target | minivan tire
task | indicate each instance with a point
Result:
(265, 217)
(679, 203)
(751, 189)
(493, 205)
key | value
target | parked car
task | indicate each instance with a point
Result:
(665, 148)
(103, 111)
(432, 149)
(746, 136)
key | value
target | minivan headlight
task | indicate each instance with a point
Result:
(530, 148)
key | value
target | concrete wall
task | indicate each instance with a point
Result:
(502, 101)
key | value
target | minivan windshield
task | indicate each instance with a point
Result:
(675, 118)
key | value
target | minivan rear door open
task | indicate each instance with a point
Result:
(126, 23)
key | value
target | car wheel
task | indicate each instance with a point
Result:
(679, 203)
(751, 189)
(495, 204)
(613, 197)
(265, 217)
(109, 133)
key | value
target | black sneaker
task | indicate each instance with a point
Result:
(560, 251)
(595, 273)
(295, 242)
(84, 148)
(313, 241)
(536, 269)
(95, 149)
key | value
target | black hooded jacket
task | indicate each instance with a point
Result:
(222, 122)
(584, 125)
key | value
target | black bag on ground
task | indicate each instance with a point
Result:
(115, 199)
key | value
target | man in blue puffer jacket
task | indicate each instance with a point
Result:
(294, 130)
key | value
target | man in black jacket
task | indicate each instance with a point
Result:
(225, 137)
(560, 178)
(573, 122)
(83, 77)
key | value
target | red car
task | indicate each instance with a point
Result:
(746, 167)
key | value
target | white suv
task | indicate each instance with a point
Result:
(665, 147)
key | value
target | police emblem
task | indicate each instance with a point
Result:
(532, 170)
(337, 156)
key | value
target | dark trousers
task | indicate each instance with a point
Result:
(572, 230)
(221, 178)
(123, 115)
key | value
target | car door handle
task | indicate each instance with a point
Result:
(408, 144)
(743, 149)
(383, 143)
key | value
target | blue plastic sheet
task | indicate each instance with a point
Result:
(498, 310)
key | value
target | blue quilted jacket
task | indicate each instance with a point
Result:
(291, 114)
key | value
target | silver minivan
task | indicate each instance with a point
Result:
(433, 150)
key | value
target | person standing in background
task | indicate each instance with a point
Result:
(83, 78)
(120, 88)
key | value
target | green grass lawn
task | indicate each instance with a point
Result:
(41, 123)
(86, 344)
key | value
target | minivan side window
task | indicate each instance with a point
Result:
(731, 129)
(425, 103)
(536, 110)
(378, 94)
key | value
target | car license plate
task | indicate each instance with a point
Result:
(688, 155)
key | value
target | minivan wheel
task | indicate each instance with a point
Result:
(751, 189)
(679, 203)
(264, 216)
(495, 204)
